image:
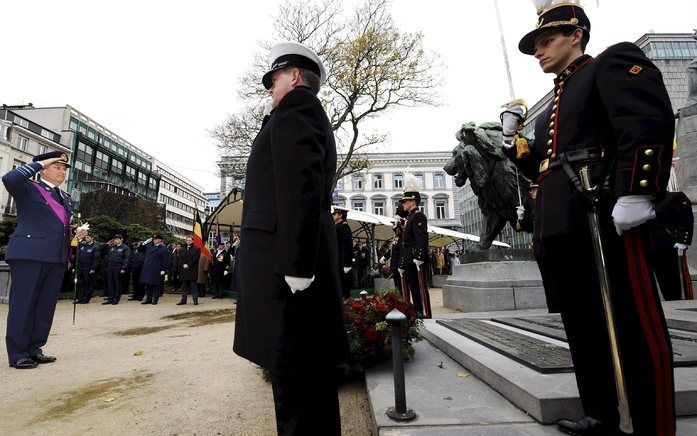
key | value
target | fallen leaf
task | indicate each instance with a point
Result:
(463, 374)
(138, 353)
(109, 400)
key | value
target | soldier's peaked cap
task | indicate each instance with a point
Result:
(52, 154)
(555, 14)
(293, 54)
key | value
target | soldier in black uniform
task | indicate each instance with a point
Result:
(345, 245)
(414, 261)
(610, 113)
(670, 238)
(137, 260)
(396, 255)
(87, 265)
(117, 260)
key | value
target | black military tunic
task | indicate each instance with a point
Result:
(613, 114)
(345, 260)
(87, 264)
(415, 247)
(674, 224)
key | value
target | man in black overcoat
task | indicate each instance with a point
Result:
(611, 114)
(670, 238)
(289, 307)
(188, 259)
(345, 246)
(157, 262)
(220, 270)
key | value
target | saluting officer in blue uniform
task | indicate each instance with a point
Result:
(37, 254)
(87, 264)
(117, 260)
(156, 264)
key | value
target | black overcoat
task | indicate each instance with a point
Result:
(345, 242)
(157, 259)
(189, 256)
(288, 230)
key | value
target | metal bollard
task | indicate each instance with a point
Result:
(399, 412)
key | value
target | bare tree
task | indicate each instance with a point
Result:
(372, 67)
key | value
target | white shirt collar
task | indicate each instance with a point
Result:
(50, 185)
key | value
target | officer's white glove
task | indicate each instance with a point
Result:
(298, 283)
(225, 273)
(681, 248)
(631, 211)
(347, 269)
(147, 241)
(520, 211)
(512, 115)
(418, 264)
(401, 271)
(162, 273)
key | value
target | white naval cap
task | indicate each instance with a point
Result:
(293, 54)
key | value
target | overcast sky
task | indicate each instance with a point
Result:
(160, 73)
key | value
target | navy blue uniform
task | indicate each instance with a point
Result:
(87, 264)
(157, 259)
(37, 254)
(613, 114)
(415, 247)
(137, 259)
(118, 259)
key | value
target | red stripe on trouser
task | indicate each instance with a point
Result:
(425, 297)
(689, 292)
(650, 321)
(405, 289)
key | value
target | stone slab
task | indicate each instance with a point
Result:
(684, 342)
(534, 353)
(447, 396)
(546, 397)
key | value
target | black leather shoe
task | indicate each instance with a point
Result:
(147, 302)
(586, 426)
(154, 301)
(42, 358)
(106, 302)
(25, 363)
(181, 302)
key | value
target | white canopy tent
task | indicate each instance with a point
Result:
(364, 225)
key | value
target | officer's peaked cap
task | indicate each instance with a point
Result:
(157, 236)
(53, 154)
(555, 14)
(293, 54)
(118, 235)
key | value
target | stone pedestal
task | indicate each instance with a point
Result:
(492, 286)
(439, 281)
(4, 282)
(686, 165)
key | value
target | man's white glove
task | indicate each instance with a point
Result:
(631, 211)
(147, 241)
(512, 115)
(418, 264)
(162, 273)
(347, 269)
(225, 273)
(401, 271)
(298, 283)
(520, 212)
(681, 248)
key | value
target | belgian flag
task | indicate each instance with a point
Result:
(198, 238)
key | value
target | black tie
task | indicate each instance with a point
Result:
(57, 190)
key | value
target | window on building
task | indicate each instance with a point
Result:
(116, 166)
(377, 181)
(439, 180)
(22, 142)
(84, 152)
(142, 179)
(92, 134)
(398, 181)
(379, 207)
(4, 131)
(130, 172)
(340, 202)
(441, 205)
(82, 166)
(43, 149)
(421, 179)
(101, 165)
(357, 183)
(153, 183)
(340, 184)
(21, 122)
(47, 134)
(396, 200)
(358, 204)
(73, 124)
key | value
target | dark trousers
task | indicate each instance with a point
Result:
(219, 286)
(397, 279)
(125, 281)
(306, 404)
(667, 266)
(345, 282)
(113, 283)
(189, 287)
(33, 297)
(645, 348)
(153, 292)
(418, 289)
(84, 284)
(138, 288)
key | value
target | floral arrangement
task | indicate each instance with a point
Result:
(368, 332)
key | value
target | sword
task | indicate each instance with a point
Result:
(77, 258)
(594, 222)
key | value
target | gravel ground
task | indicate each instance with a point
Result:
(148, 370)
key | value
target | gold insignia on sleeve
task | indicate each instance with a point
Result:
(636, 69)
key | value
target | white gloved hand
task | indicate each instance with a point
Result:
(268, 107)
(147, 241)
(520, 212)
(298, 283)
(418, 262)
(631, 211)
(225, 273)
(681, 248)
(401, 271)
(162, 273)
(347, 269)
(512, 115)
